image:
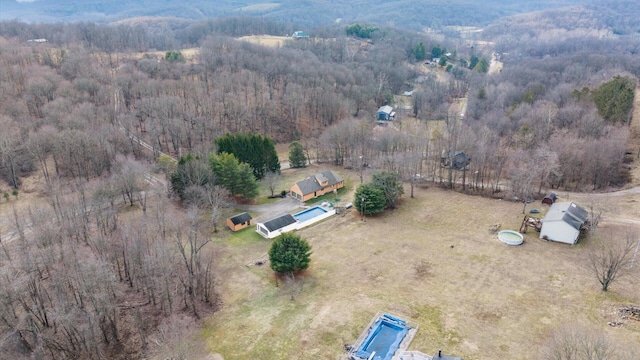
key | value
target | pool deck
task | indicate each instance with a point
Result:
(404, 345)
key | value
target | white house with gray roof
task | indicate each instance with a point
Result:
(563, 222)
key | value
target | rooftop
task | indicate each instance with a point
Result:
(312, 183)
(568, 212)
(240, 218)
(279, 222)
(386, 109)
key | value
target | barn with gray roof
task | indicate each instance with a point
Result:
(563, 222)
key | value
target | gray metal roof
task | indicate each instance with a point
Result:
(240, 218)
(279, 222)
(568, 212)
(577, 212)
(386, 109)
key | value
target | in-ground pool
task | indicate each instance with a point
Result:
(510, 237)
(310, 213)
(384, 338)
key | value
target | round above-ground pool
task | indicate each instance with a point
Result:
(510, 237)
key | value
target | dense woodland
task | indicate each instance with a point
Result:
(90, 281)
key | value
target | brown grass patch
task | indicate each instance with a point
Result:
(431, 259)
(266, 40)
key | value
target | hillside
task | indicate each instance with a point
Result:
(401, 13)
(618, 17)
(114, 200)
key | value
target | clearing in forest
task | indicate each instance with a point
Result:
(432, 259)
(266, 40)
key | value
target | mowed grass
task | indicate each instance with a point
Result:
(433, 260)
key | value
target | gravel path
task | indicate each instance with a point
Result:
(267, 211)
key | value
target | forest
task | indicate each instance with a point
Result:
(92, 279)
(413, 15)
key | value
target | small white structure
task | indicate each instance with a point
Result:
(276, 226)
(300, 35)
(563, 223)
(286, 222)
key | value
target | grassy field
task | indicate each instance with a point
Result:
(433, 260)
(266, 40)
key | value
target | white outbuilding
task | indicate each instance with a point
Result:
(563, 222)
(276, 226)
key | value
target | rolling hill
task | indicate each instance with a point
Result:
(310, 13)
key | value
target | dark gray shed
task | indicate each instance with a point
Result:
(550, 198)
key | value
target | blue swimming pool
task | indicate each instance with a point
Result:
(384, 338)
(309, 213)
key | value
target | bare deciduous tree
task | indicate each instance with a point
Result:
(216, 195)
(9, 145)
(272, 180)
(610, 259)
(129, 179)
(576, 343)
(196, 279)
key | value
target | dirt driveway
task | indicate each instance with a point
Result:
(267, 211)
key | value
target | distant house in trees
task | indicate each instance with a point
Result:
(300, 34)
(385, 113)
(240, 221)
(563, 222)
(316, 185)
(457, 160)
(276, 226)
